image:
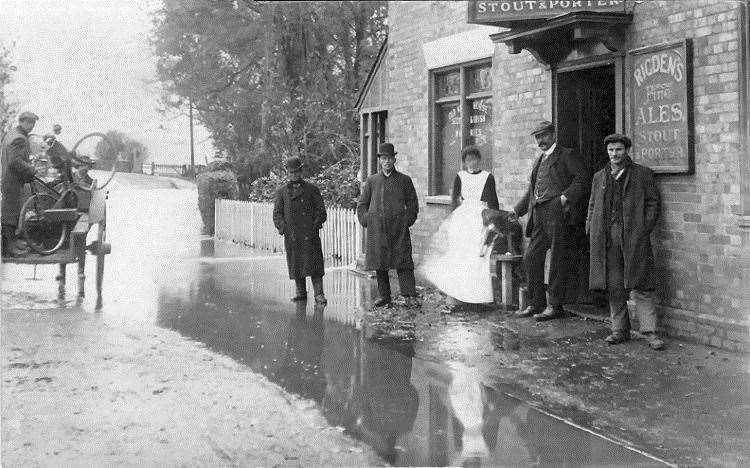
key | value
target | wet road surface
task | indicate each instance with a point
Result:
(235, 300)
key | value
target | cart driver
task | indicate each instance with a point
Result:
(17, 170)
(83, 164)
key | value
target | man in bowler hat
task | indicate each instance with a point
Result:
(299, 214)
(387, 207)
(17, 170)
(554, 201)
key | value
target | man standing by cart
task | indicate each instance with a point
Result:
(17, 170)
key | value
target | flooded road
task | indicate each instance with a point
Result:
(412, 411)
(235, 301)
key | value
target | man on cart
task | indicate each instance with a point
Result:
(17, 170)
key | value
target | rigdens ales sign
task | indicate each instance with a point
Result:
(661, 107)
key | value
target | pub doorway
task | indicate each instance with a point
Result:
(586, 112)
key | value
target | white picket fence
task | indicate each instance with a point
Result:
(251, 224)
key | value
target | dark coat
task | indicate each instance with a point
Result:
(387, 207)
(640, 210)
(17, 170)
(569, 176)
(298, 214)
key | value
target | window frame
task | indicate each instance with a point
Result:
(464, 98)
(373, 131)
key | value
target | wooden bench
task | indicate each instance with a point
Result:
(505, 275)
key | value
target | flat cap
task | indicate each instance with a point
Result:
(293, 163)
(26, 115)
(543, 126)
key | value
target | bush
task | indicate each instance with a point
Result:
(338, 185)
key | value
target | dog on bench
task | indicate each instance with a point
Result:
(500, 234)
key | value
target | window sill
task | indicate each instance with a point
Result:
(438, 200)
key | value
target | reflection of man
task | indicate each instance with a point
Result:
(16, 171)
(387, 207)
(559, 180)
(389, 400)
(622, 212)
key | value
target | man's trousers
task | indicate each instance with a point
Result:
(618, 295)
(405, 281)
(550, 232)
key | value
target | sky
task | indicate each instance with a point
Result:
(87, 65)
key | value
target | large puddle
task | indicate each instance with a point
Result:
(236, 301)
(411, 411)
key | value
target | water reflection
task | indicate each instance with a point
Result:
(411, 411)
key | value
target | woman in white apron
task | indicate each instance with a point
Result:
(457, 267)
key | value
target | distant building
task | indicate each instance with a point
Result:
(671, 74)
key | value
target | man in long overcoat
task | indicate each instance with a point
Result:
(623, 210)
(387, 207)
(555, 201)
(17, 170)
(299, 214)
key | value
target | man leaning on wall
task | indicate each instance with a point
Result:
(623, 210)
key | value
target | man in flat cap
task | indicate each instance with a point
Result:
(299, 214)
(17, 170)
(622, 213)
(387, 207)
(554, 201)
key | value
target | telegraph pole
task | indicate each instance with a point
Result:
(192, 145)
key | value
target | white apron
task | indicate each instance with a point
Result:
(457, 269)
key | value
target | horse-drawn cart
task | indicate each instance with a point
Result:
(56, 218)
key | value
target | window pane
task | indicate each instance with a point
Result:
(480, 79)
(448, 84)
(480, 128)
(449, 146)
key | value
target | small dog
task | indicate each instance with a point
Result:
(500, 234)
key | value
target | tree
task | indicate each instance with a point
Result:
(270, 79)
(7, 108)
(122, 152)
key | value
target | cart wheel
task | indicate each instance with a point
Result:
(101, 238)
(43, 236)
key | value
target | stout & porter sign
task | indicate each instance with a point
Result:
(503, 11)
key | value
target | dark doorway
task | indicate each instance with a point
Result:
(586, 113)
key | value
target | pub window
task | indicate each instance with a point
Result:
(461, 114)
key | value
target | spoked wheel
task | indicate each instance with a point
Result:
(101, 144)
(43, 236)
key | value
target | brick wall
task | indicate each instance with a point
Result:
(700, 248)
(412, 24)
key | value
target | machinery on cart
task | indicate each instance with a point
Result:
(58, 214)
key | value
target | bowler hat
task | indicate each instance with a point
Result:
(386, 149)
(543, 126)
(293, 163)
(26, 115)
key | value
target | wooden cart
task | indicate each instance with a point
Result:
(55, 222)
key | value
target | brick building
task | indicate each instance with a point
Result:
(671, 74)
